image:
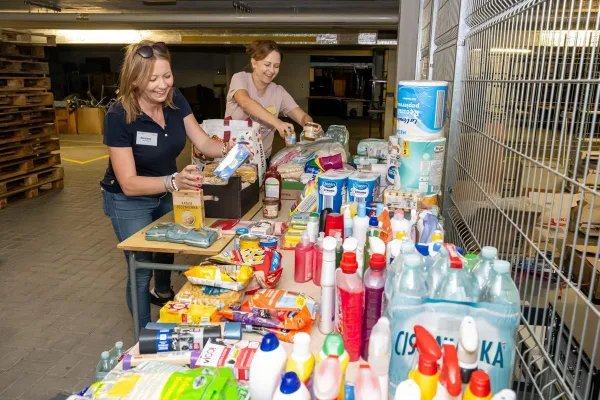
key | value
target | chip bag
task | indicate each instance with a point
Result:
(232, 277)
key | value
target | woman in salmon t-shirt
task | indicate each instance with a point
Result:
(253, 94)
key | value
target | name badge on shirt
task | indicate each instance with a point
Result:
(146, 138)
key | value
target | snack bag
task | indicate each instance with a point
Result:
(285, 335)
(232, 277)
(232, 161)
(274, 308)
(207, 295)
(180, 313)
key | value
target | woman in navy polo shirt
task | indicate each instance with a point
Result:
(145, 131)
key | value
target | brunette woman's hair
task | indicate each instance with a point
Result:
(135, 73)
(260, 49)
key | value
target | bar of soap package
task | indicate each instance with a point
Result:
(188, 208)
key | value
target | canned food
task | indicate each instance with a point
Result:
(290, 140)
(249, 241)
(236, 239)
(270, 208)
(269, 242)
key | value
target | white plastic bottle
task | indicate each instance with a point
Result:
(394, 248)
(505, 394)
(367, 384)
(313, 227)
(326, 324)
(291, 388)
(267, 368)
(380, 353)
(399, 223)
(348, 222)
(408, 390)
(328, 379)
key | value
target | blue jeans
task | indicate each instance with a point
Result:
(128, 215)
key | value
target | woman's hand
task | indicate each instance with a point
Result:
(190, 178)
(314, 127)
(284, 129)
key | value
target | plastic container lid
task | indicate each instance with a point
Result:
(480, 384)
(301, 345)
(373, 221)
(501, 267)
(314, 217)
(269, 342)
(105, 355)
(427, 365)
(489, 252)
(333, 345)
(290, 383)
(350, 244)
(241, 231)
(377, 261)
(413, 261)
(348, 263)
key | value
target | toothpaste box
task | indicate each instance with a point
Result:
(223, 353)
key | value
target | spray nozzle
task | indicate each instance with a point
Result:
(428, 347)
(450, 373)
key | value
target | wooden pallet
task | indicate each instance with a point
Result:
(18, 134)
(15, 50)
(23, 117)
(29, 186)
(10, 100)
(27, 67)
(20, 150)
(11, 169)
(26, 37)
(22, 83)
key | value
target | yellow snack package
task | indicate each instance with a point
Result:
(181, 313)
(207, 295)
(232, 277)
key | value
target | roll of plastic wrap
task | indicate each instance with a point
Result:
(422, 164)
(422, 109)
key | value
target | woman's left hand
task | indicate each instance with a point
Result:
(189, 178)
(313, 126)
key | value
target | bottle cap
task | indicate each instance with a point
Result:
(301, 345)
(290, 383)
(455, 261)
(328, 244)
(348, 263)
(413, 261)
(450, 373)
(334, 223)
(347, 213)
(105, 355)
(501, 267)
(362, 209)
(350, 245)
(408, 248)
(480, 384)
(241, 231)
(437, 236)
(373, 221)
(119, 345)
(427, 365)
(314, 217)
(269, 342)
(338, 240)
(489, 253)
(333, 345)
(470, 256)
(379, 209)
(400, 235)
(377, 261)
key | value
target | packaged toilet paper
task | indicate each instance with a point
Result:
(422, 164)
(363, 185)
(422, 109)
(332, 187)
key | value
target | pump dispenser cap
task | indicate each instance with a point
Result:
(269, 342)
(480, 384)
(426, 344)
(290, 383)
(348, 263)
(489, 253)
(305, 238)
(373, 221)
(362, 209)
(377, 261)
(501, 267)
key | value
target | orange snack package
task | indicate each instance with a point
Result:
(285, 335)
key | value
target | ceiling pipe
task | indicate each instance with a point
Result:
(256, 20)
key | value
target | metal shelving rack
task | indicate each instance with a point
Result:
(524, 104)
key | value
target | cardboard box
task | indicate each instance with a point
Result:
(188, 208)
(233, 201)
(90, 121)
(291, 190)
(558, 206)
(589, 266)
(238, 357)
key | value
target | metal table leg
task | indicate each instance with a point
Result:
(133, 267)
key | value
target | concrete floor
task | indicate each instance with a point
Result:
(63, 280)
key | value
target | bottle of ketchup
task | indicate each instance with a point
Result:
(273, 185)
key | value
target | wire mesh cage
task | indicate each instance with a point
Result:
(522, 168)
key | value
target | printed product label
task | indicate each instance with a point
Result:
(272, 188)
(421, 110)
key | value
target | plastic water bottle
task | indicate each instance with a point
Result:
(116, 352)
(395, 268)
(482, 270)
(105, 364)
(501, 289)
(438, 270)
(457, 284)
(410, 282)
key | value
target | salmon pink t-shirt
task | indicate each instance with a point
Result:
(276, 100)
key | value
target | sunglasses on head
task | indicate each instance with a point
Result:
(148, 51)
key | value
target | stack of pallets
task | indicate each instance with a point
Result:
(29, 157)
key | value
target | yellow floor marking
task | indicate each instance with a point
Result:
(80, 141)
(84, 162)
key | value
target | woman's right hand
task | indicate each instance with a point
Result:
(190, 178)
(284, 129)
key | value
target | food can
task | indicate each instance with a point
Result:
(270, 208)
(249, 241)
(290, 140)
(236, 239)
(269, 242)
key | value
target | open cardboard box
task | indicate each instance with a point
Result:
(591, 268)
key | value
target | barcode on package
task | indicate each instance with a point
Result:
(440, 108)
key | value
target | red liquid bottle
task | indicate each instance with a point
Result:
(350, 296)
(304, 259)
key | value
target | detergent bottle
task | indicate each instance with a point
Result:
(380, 353)
(266, 368)
(426, 375)
(334, 346)
(328, 379)
(450, 385)
(374, 281)
(367, 384)
(302, 362)
(350, 295)
(408, 390)
(468, 349)
(479, 388)
(291, 388)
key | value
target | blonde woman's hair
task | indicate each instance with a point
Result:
(135, 73)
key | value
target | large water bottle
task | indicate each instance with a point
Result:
(457, 284)
(396, 267)
(500, 288)
(484, 267)
(411, 282)
(438, 270)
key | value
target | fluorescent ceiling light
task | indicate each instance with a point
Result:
(573, 38)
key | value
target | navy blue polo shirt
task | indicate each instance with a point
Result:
(155, 149)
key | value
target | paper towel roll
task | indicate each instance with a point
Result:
(422, 109)
(422, 164)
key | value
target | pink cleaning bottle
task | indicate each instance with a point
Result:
(374, 281)
(350, 296)
(318, 261)
(304, 259)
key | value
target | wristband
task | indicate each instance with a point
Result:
(175, 188)
(165, 183)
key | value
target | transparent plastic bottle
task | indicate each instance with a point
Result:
(500, 288)
(105, 363)
(457, 284)
(116, 352)
(411, 282)
(438, 270)
(396, 267)
(482, 270)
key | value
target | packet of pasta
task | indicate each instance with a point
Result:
(232, 277)
(207, 295)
